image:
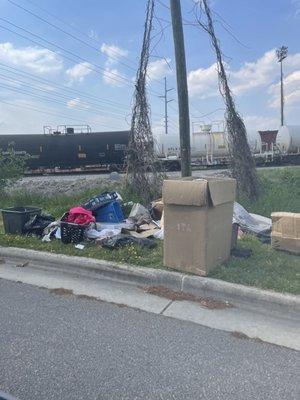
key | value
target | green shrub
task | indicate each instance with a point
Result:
(12, 167)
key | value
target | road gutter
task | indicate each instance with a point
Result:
(249, 297)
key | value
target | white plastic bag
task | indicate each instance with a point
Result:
(251, 223)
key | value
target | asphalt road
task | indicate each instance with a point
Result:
(63, 347)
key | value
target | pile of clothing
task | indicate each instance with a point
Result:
(100, 220)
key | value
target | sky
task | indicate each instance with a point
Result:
(74, 62)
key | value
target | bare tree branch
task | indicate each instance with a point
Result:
(143, 176)
(242, 162)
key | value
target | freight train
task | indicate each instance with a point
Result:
(78, 149)
(210, 147)
(67, 149)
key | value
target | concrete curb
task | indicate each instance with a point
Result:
(200, 286)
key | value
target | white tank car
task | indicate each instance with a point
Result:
(167, 145)
(209, 143)
(204, 143)
(288, 139)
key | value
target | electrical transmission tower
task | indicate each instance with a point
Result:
(165, 97)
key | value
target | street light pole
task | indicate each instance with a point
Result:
(281, 55)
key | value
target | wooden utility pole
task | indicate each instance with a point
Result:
(182, 89)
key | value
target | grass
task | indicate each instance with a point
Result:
(59, 204)
(130, 254)
(266, 268)
(280, 192)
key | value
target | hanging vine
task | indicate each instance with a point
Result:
(242, 162)
(144, 177)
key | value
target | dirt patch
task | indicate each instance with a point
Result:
(241, 335)
(86, 297)
(210, 303)
(23, 265)
(2, 261)
(61, 291)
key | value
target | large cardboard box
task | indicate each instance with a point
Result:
(197, 223)
(286, 231)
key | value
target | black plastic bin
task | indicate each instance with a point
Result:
(71, 233)
(14, 218)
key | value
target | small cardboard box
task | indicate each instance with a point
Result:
(197, 223)
(286, 231)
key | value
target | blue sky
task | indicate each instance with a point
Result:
(52, 78)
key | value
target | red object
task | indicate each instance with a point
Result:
(267, 139)
(80, 216)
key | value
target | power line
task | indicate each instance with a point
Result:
(43, 111)
(56, 94)
(87, 108)
(40, 97)
(39, 110)
(64, 88)
(162, 4)
(60, 87)
(116, 58)
(41, 88)
(74, 29)
(105, 72)
(55, 100)
(59, 47)
(173, 108)
(210, 113)
(69, 34)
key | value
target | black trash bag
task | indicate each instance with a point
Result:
(37, 224)
(122, 240)
(241, 253)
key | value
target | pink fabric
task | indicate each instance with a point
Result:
(80, 216)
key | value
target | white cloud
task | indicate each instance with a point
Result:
(262, 72)
(112, 77)
(79, 71)
(77, 102)
(37, 59)
(255, 123)
(296, 8)
(255, 74)
(28, 121)
(93, 34)
(291, 91)
(203, 82)
(159, 69)
(113, 52)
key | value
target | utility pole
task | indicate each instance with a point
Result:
(281, 55)
(182, 89)
(165, 97)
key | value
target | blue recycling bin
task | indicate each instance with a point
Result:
(111, 212)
